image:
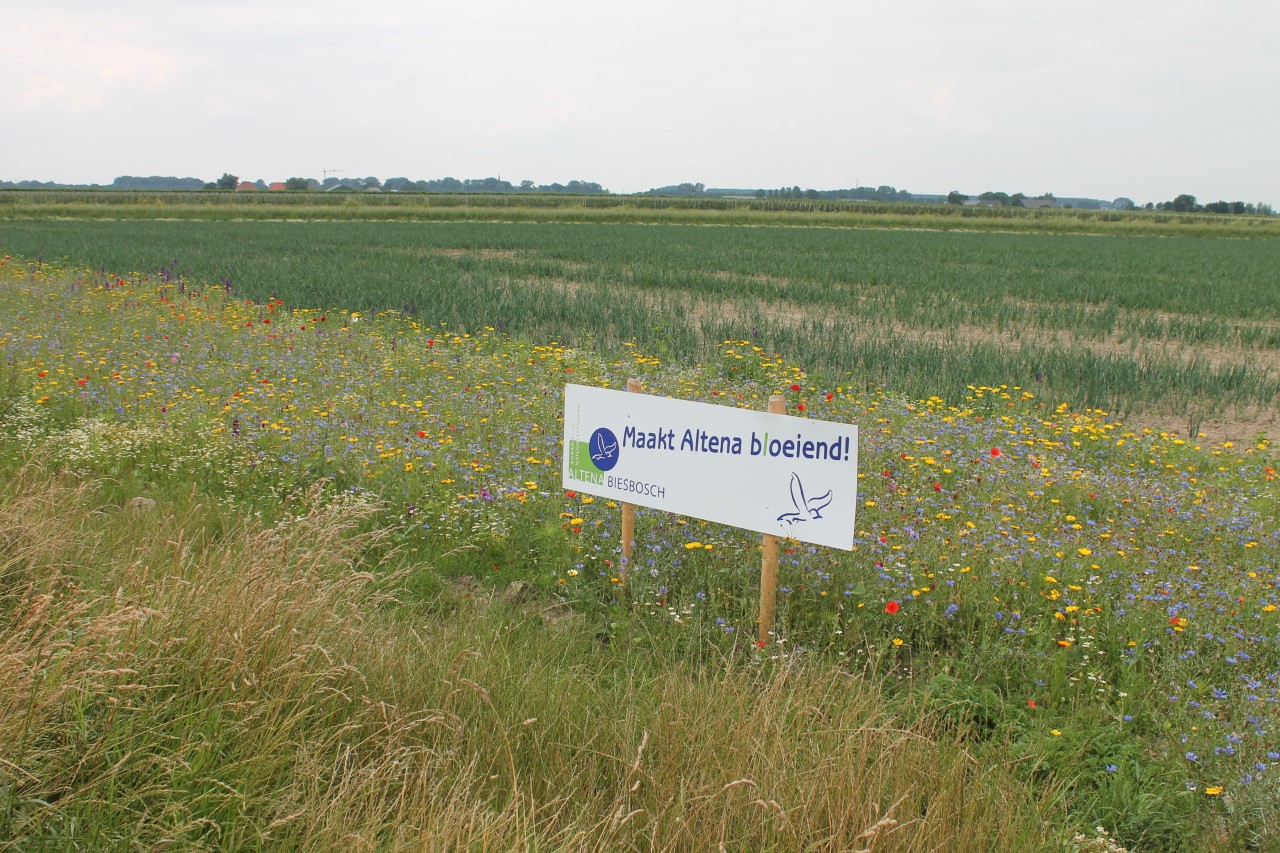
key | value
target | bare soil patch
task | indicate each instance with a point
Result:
(484, 254)
(759, 278)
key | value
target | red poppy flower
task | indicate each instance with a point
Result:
(800, 407)
(422, 433)
(995, 451)
(795, 387)
(830, 397)
(937, 487)
(892, 607)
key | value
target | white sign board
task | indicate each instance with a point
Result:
(774, 474)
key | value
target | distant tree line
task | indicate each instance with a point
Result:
(472, 185)
(881, 193)
(124, 182)
(994, 198)
(687, 190)
(229, 181)
(999, 199)
(1186, 203)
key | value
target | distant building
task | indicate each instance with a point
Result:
(1039, 202)
(276, 186)
(245, 185)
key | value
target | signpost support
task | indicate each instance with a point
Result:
(628, 517)
(769, 558)
(783, 477)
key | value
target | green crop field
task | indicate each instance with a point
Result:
(438, 207)
(285, 561)
(1184, 331)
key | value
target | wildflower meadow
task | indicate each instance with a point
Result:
(1088, 609)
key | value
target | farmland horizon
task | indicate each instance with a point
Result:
(1178, 333)
(682, 187)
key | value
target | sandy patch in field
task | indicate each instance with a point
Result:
(1235, 425)
(483, 254)
(759, 278)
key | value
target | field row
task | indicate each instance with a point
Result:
(1184, 331)
(79, 204)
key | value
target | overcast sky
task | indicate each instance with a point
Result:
(1097, 98)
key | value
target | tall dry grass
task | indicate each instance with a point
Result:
(172, 676)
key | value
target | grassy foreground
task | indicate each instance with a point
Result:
(261, 688)
(282, 577)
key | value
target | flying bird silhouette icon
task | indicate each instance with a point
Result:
(806, 508)
(601, 451)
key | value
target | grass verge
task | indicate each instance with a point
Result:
(263, 689)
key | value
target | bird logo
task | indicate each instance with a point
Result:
(603, 448)
(601, 451)
(806, 508)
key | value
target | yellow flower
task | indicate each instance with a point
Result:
(897, 641)
(1084, 552)
(1213, 790)
(691, 546)
(1055, 732)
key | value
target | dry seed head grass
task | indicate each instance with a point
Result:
(263, 688)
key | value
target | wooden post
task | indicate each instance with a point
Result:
(769, 558)
(628, 517)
